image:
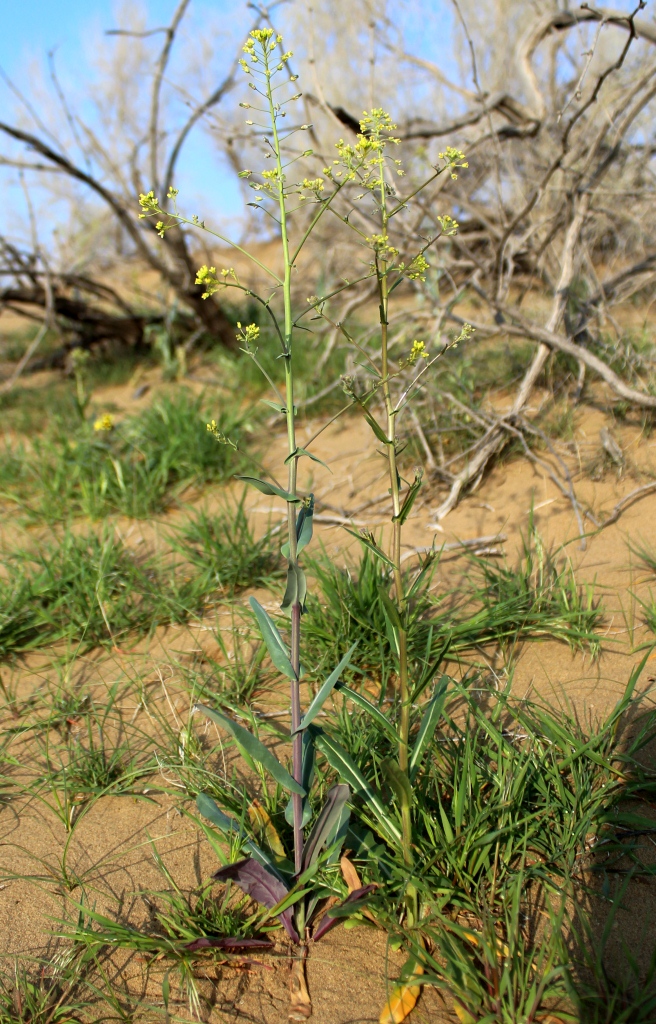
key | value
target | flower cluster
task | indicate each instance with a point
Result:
(448, 224)
(267, 45)
(247, 335)
(314, 185)
(207, 276)
(466, 332)
(104, 423)
(453, 158)
(418, 351)
(364, 160)
(213, 429)
(382, 248)
(416, 270)
(150, 207)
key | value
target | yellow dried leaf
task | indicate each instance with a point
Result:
(463, 1016)
(353, 881)
(261, 822)
(402, 1000)
(300, 1004)
(349, 874)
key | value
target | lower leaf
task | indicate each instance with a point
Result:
(402, 999)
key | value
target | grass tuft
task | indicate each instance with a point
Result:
(141, 466)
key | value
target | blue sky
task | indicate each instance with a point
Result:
(34, 27)
(31, 29)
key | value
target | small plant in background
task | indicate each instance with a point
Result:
(136, 466)
(79, 359)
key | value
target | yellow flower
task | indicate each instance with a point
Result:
(105, 422)
(418, 350)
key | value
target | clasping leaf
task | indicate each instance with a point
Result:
(271, 489)
(252, 748)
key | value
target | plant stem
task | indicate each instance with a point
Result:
(395, 553)
(297, 745)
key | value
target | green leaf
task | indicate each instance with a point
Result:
(375, 425)
(370, 708)
(274, 405)
(303, 451)
(446, 827)
(209, 809)
(430, 669)
(288, 901)
(419, 578)
(253, 748)
(338, 759)
(323, 693)
(431, 717)
(303, 528)
(409, 499)
(369, 542)
(271, 489)
(398, 781)
(390, 608)
(296, 588)
(304, 525)
(275, 645)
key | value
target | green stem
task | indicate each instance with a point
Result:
(297, 746)
(395, 553)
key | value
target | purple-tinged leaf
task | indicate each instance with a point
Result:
(256, 881)
(325, 823)
(228, 943)
(331, 917)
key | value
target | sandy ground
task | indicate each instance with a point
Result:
(110, 849)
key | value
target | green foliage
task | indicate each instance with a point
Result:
(45, 992)
(178, 920)
(224, 551)
(136, 467)
(502, 969)
(539, 597)
(86, 589)
(506, 805)
(612, 996)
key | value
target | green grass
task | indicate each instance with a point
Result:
(537, 598)
(42, 993)
(623, 993)
(224, 552)
(515, 811)
(178, 919)
(140, 467)
(648, 559)
(89, 589)
(86, 590)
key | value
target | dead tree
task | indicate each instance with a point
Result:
(558, 199)
(96, 311)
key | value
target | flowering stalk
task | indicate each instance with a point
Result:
(366, 164)
(294, 595)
